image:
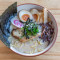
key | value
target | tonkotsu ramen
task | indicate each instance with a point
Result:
(31, 31)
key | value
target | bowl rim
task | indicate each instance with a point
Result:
(55, 37)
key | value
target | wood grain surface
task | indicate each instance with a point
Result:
(54, 52)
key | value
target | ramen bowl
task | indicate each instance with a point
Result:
(29, 6)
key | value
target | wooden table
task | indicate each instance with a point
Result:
(54, 52)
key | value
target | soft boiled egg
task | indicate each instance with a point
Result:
(35, 14)
(24, 15)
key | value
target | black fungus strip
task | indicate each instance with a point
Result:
(47, 31)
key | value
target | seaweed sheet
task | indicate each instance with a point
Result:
(5, 23)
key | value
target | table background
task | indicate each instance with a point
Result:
(54, 52)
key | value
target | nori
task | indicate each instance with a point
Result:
(5, 23)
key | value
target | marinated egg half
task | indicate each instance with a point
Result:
(35, 14)
(24, 15)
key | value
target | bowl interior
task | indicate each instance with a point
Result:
(28, 7)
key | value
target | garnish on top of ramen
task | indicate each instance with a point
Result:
(30, 28)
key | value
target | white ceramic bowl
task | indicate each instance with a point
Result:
(29, 6)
